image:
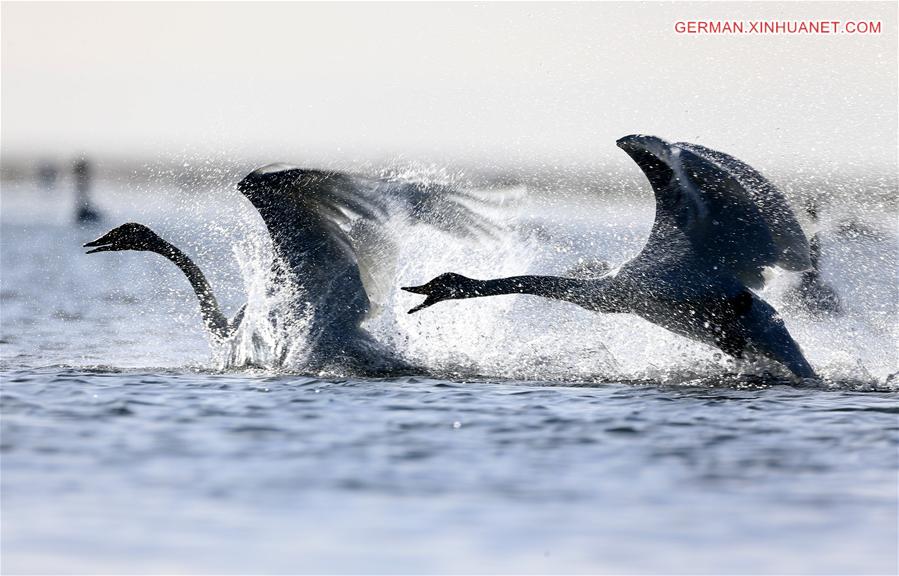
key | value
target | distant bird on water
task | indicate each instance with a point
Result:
(718, 223)
(85, 212)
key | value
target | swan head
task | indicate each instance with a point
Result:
(130, 236)
(444, 287)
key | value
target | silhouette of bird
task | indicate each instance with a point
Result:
(718, 223)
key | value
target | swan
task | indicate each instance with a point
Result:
(718, 223)
(328, 238)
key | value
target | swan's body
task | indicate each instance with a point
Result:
(718, 223)
(327, 243)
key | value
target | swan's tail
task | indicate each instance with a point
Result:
(767, 335)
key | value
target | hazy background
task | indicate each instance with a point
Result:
(506, 84)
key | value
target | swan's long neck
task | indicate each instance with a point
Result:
(591, 294)
(212, 315)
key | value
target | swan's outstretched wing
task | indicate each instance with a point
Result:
(307, 213)
(724, 213)
(343, 198)
(789, 239)
(334, 195)
(470, 212)
(335, 221)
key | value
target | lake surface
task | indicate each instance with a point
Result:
(544, 439)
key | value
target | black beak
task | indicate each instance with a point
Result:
(101, 244)
(429, 301)
(415, 289)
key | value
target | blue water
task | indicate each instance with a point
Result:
(585, 444)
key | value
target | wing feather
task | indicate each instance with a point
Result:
(716, 211)
(791, 242)
(336, 221)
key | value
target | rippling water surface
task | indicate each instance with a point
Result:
(125, 447)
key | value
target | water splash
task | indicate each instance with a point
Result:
(519, 336)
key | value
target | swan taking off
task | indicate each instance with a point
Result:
(327, 231)
(718, 224)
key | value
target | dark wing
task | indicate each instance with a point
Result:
(342, 198)
(332, 220)
(307, 213)
(791, 244)
(716, 211)
(333, 194)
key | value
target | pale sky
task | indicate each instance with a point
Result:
(505, 82)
